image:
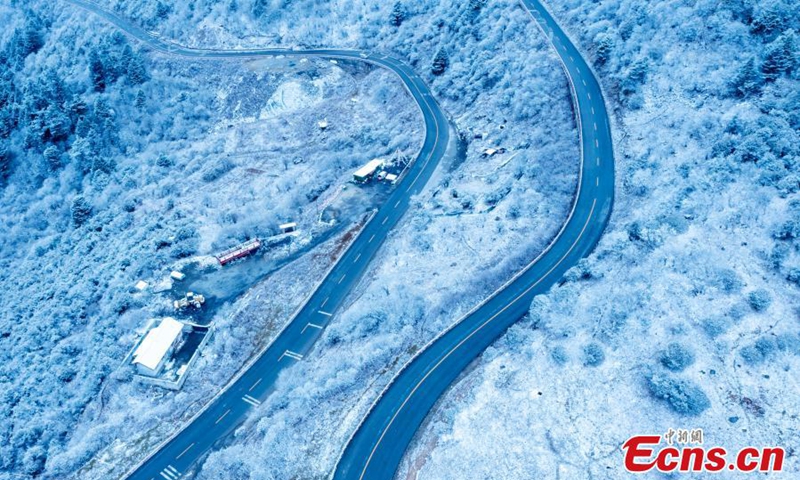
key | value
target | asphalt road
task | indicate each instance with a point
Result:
(378, 445)
(229, 409)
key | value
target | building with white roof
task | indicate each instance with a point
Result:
(157, 347)
(363, 174)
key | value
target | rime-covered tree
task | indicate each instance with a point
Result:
(52, 156)
(398, 14)
(604, 44)
(748, 80)
(260, 8)
(781, 57)
(81, 210)
(136, 70)
(97, 72)
(5, 162)
(440, 62)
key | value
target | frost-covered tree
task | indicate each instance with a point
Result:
(259, 8)
(604, 45)
(676, 357)
(440, 62)
(759, 300)
(5, 162)
(398, 14)
(81, 210)
(97, 71)
(682, 396)
(52, 156)
(781, 57)
(593, 355)
(748, 80)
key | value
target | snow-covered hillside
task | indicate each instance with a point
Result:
(686, 316)
(116, 163)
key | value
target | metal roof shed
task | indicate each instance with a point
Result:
(149, 357)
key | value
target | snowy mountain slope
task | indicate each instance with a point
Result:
(694, 287)
(116, 164)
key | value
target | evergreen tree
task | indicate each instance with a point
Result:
(141, 100)
(260, 8)
(748, 80)
(780, 57)
(136, 71)
(398, 14)
(605, 45)
(5, 162)
(97, 71)
(81, 211)
(440, 62)
(52, 156)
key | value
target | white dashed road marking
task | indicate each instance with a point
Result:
(184, 451)
(252, 401)
(254, 385)
(222, 416)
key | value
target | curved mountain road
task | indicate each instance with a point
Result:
(223, 414)
(377, 447)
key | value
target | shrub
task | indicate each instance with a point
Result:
(759, 300)
(559, 355)
(760, 351)
(676, 357)
(593, 355)
(164, 161)
(682, 396)
(216, 169)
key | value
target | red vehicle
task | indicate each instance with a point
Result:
(239, 251)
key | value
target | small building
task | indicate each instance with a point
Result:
(322, 124)
(141, 285)
(176, 275)
(239, 251)
(288, 227)
(157, 347)
(365, 173)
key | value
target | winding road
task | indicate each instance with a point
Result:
(378, 444)
(229, 409)
(377, 447)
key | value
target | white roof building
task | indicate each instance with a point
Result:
(363, 173)
(156, 344)
(288, 227)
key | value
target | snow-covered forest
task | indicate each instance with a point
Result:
(119, 162)
(686, 316)
(116, 162)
